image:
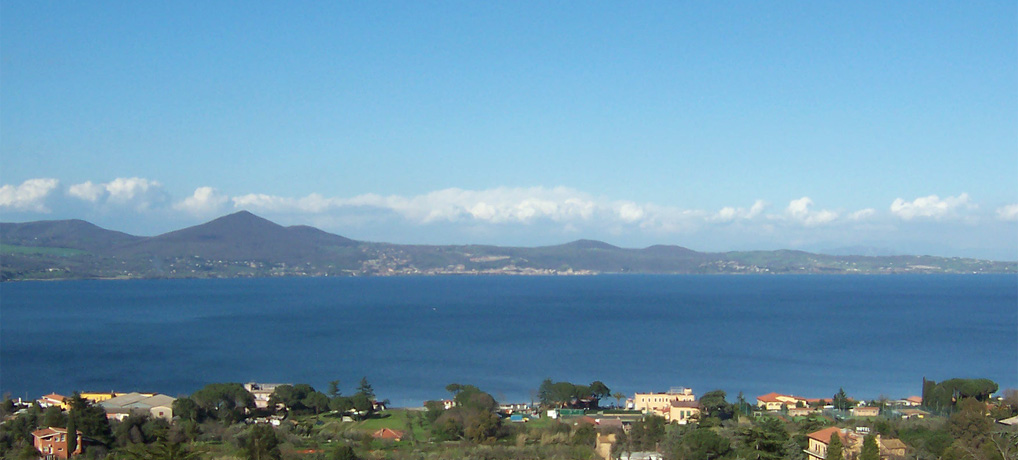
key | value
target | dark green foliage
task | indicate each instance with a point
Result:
(716, 406)
(341, 404)
(970, 424)
(841, 401)
(295, 398)
(90, 419)
(870, 451)
(365, 388)
(343, 452)
(584, 435)
(225, 402)
(835, 450)
(260, 443)
(434, 410)
(566, 394)
(944, 395)
(472, 418)
(140, 429)
(765, 439)
(72, 435)
(599, 390)
(362, 404)
(700, 444)
(333, 389)
(187, 409)
(21, 451)
(19, 430)
(926, 441)
(53, 416)
(162, 450)
(647, 433)
(316, 402)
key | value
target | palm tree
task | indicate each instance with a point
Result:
(619, 396)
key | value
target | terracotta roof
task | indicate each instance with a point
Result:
(387, 433)
(769, 397)
(54, 397)
(915, 399)
(47, 432)
(825, 434)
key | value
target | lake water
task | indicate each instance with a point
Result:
(411, 336)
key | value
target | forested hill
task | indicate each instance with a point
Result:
(243, 244)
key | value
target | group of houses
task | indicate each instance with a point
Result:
(55, 442)
(851, 441)
(797, 406)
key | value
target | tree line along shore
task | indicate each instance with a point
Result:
(957, 419)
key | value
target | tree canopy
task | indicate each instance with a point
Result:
(226, 402)
(946, 394)
(566, 394)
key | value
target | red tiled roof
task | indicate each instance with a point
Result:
(825, 434)
(769, 397)
(50, 431)
(388, 433)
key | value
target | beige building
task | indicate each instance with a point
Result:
(158, 406)
(683, 412)
(866, 411)
(660, 403)
(890, 449)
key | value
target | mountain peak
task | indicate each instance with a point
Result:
(590, 244)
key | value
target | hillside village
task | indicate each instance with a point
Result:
(265, 420)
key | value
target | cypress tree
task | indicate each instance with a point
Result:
(870, 451)
(72, 434)
(834, 449)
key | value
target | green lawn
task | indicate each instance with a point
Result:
(393, 419)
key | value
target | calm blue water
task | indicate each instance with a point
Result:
(806, 335)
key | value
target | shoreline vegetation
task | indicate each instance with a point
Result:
(957, 419)
(243, 245)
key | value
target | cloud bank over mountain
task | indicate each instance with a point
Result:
(493, 213)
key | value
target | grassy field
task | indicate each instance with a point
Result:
(395, 419)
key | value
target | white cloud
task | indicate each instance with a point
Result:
(136, 192)
(799, 210)
(729, 214)
(863, 214)
(931, 207)
(29, 196)
(313, 203)
(1008, 213)
(204, 201)
(124, 190)
(87, 191)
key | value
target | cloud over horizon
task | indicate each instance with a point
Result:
(932, 207)
(29, 196)
(504, 212)
(135, 192)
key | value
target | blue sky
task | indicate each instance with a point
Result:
(712, 125)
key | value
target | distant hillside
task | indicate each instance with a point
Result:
(243, 245)
(241, 236)
(73, 234)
